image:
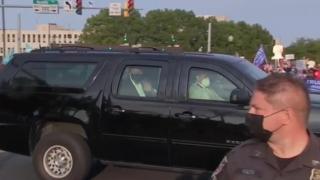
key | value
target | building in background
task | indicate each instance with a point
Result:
(44, 36)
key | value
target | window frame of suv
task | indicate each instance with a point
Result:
(193, 69)
(208, 66)
(141, 62)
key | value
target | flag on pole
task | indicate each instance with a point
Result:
(260, 57)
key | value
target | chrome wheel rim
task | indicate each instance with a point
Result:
(58, 161)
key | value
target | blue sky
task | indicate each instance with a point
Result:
(286, 20)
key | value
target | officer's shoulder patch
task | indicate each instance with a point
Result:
(315, 174)
(219, 168)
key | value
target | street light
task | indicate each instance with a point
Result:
(230, 38)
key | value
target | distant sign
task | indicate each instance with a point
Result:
(313, 85)
(46, 6)
(301, 64)
(115, 9)
(289, 56)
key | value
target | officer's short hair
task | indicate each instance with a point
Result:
(276, 85)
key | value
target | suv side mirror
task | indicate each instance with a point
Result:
(240, 96)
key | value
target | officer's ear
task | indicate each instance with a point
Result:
(288, 115)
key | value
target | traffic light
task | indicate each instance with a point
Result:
(128, 8)
(79, 7)
(125, 10)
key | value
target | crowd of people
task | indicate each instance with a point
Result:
(290, 68)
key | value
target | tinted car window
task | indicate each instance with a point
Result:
(209, 85)
(140, 81)
(54, 74)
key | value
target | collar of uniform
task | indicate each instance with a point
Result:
(310, 157)
(263, 151)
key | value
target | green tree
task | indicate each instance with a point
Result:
(103, 29)
(162, 25)
(305, 48)
(163, 28)
(245, 41)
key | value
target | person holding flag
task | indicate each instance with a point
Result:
(260, 58)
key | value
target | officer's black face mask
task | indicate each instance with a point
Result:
(255, 124)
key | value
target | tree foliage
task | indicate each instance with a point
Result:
(305, 48)
(163, 28)
(103, 29)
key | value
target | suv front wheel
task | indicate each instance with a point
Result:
(62, 156)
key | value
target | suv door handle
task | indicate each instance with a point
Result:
(117, 110)
(186, 116)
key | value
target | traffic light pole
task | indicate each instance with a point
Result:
(3, 29)
(3, 6)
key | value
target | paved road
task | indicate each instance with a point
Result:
(9, 163)
(17, 167)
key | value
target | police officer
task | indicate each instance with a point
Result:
(282, 147)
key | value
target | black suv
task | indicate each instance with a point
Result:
(66, 106)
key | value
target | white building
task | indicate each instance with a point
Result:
(43, 36)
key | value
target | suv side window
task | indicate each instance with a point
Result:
(140, 81)
(44, 74)
(206, 84)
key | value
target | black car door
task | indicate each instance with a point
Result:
(135, 118)
(205, 124)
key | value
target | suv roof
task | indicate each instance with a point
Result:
(101, 51)
(128, 50)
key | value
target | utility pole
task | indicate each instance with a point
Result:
(49, 35)
(3, 7)
(19, 34)
(3, 30)
(209, 38)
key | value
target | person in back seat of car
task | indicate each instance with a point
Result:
(132, 85)
(148, 88)
(201, 89)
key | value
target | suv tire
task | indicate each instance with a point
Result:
(62, 156)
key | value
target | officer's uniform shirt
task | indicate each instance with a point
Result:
(254, 160)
